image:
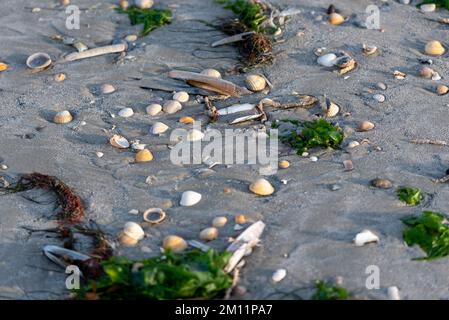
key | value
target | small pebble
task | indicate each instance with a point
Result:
(305, 154)
(239, 291)
(430, 7)
(3, 167)
(284, 164)
(335, 187)
(99, 154)
(279, 275)
(313, 159)
(381, 86)
(131, 38)
(349, 166)
(379, 98)
(133, 211)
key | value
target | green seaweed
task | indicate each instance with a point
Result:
(249, 13)
(150, 18)
(325, 291)
(409, 195)
(430, 231)
(439, 3)
(193, 274)
(318, 133)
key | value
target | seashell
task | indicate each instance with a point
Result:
(349, 166)
(133, 211)
(137, 146)
(3, 66)
(35, 10)
(331, 109)
(126, 112)
(344, 61)
(399, 75)
(161, 215)
(442, 89)
(336, 19)
(393, 293)
(154, 109)
(172, 106)
(255, 82)
(381, 183)
(132, 234)
(261, 187)
(99, 154)
(353, 144)
(61, 256)
(365, 237)
(80, 46)
(59, 77)
(159, 128)
(219, 222)
(209, 234)
(118, 141)
(211, 73)
(107, 88)
(195, 135)
(144, 155)
(240, 219)
(327, 60)
(278, 275)
(381, 86)
(38, 61)
(436, 76)
(190, 198)
(369, 50)
(144, 4)
(124, 4)
(284, 164)
(131, 38)
(63, 117)
(428, 7)
(174, 243)
(181, 96)
(426, 72)
(313, 159)
(365, 126)
(379, 98)
(187, 120)
(434, 48)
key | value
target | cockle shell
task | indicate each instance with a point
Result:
(278, 275)
(159, 128)
(172, 106)
(219, 222)
(187, 120)
(442, 89)
(194, 135)
(132, 234)
(144, 4)
(434, 48)
(63, 117)
(366, 126)
(144, 155)
(284, 164)
(181, 96)
(154, 109)
(126, 112)
(174, 243)
(211, 73)
(190, 198)
(261, 187)
(327, 60)
(336, 19)
(38, 61)
(255, 82)
(209, 234)
(364, 237)
(107, 88)
(119, 141)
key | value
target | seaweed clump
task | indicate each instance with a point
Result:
(150, 18)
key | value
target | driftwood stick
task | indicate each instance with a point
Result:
(115, 48)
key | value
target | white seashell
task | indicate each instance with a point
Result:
(219, 222)
(209, 234)
(436, 76)
(211, 73)
(255, 82)
(379, 97)
(353, 144)
(172, 106)
(133, 211)
(80, 46)
(107, 88)
(381, 86)
(313, 159)
(38, 61)
(190, 198)
(364, 237)
(327, 60)
(99, 154)
(133, 230)
(119, 142)
(126, 112)
(154, 109)
(195, 135)
(144, 4)
(236, 108)
(181, 96)
(278, 275)
(137, 146)
(159, 128)
(393, 293)
(429, 7)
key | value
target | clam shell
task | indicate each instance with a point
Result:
(133, 230)
(429, 7)
(279, 275)
(181, 96)
(209, 234)
(261, 187)
(219, 222)
(255, 82)
(434, 48)
(107, 88)
(144, 4)
(442, 89)
(38, 61)
(366, 126)
(195, 135)
(144, 155)
(336, 19)
(353, 144)
(379, 98)
(364, 237)
(211, 73)
(381, 183)
(240, 219)
(327, 60)
(190, 198)
(284, 164)
(154, 109)
(63, 117)
(187, 120)
(174, 243)
(331, 109)
(159, 128)
(172, 106)
(118, 141)
(426, 72)
(126, 112)
(127, 240)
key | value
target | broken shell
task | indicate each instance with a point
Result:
(399, 75)
(366, 126)
(278, 275)
(107, 88)
(118, 141)
(284, 164)
(345, 61)
(63, 117)
(3, 66)
(379, 98)
(219, 222)
(434, 48)
(365, 237)
(426, 72)
(187, 120)
(99, 154)
(195, 135)
(331, 109)
(154, 109)
(174, 243)
(327, 60)
(240, 219)
(137, 146)
(261, 187)
(428, 7)
(442, 89)
(161, 215)
(211, 73)
(381, 183)
(190, 198)
(353, 144)
(436, 76)
(126, 112)
(144, 4)
(336, 19)
(181, 96)
(172, 106)
(132, 234)
(38, 61)
(80, 46)
(369, 50)
(209, 234)
(59, 77)
(349, 166)
(255, 82)
(159, 128)
(144, 155)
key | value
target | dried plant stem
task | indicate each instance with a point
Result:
(429, 141)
